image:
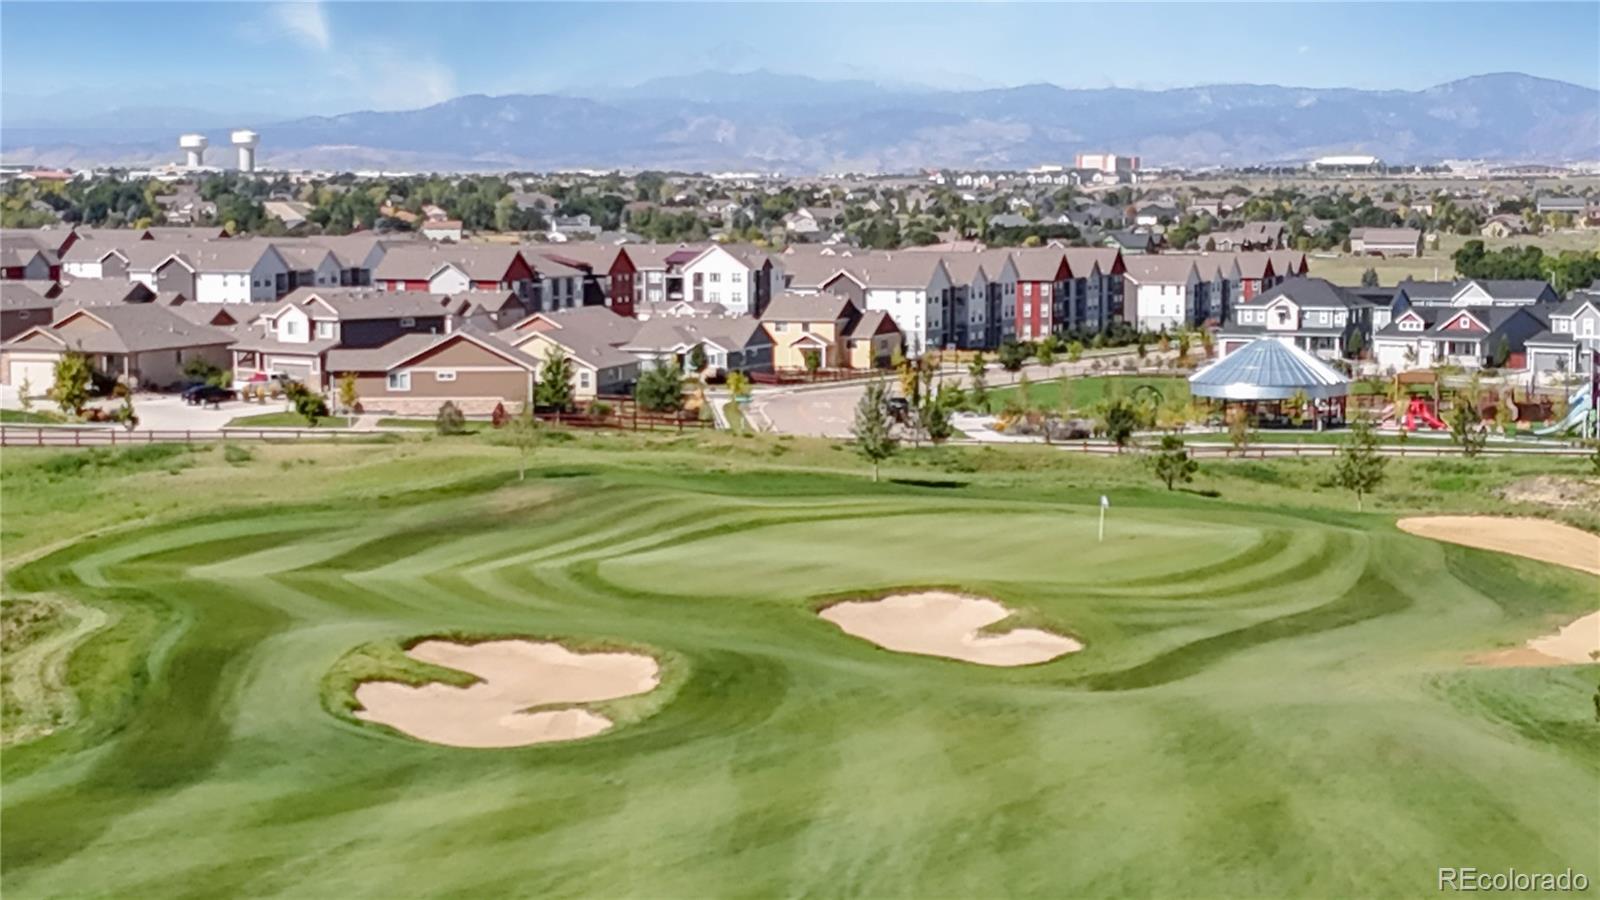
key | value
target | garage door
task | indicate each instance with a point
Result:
(40, 375)
(300, 373)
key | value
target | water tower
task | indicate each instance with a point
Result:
(194, 148)
(246, 141)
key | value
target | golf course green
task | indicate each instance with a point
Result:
(1273, 698)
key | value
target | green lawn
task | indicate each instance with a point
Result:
(1273, 700)
(33, 417)
(469, 426)
(287, 420)
(1086, 392)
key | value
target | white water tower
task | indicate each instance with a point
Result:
(194, 148)
(247, 141)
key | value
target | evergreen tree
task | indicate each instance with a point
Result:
(1172, 462)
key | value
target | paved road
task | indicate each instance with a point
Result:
(828, 411)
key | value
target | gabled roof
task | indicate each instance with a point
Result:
(14, 295)
(416, 262)
(1309, 293)
(1041, 264)
(873, 322)
(133, 328)
(406, 348)
(791, 307)
(352, 304)
(894, 270)
(1160, 269)
(590, 334)
(102, 291)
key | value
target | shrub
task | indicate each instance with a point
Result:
(450, 420)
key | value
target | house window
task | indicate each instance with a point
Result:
(736, 277)
(780, 326)
(444, 375)
(408, 322)
(324, 329)
(716, 277)
(1283, 317)
(1588, 327)
(399, 381)
(291, 327)
(583, 378)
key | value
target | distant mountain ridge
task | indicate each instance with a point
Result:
(763, 121)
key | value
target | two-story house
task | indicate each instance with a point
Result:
(1572, 339)
(1309, 313)
(914, 289)
(833, 327)
(291, 339)
(590, 337)
(217, 271)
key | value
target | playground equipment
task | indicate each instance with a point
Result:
(1419, 411)
(1579, 408)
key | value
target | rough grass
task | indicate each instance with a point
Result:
(1084, 393)
(1272, 700)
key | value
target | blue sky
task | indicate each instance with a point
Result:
(66, 60)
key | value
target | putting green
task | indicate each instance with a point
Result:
(1269, 703)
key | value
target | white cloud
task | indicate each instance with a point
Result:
(305, 19)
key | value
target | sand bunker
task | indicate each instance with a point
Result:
(516, 675)
(936, 623)
(1538, 539)
(1534, 538)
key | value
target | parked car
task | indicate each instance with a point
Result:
(207, 395)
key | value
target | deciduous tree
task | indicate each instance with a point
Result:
(1172, 462)
(873, 427)
(1358, 467)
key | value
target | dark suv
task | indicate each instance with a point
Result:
(206, 394)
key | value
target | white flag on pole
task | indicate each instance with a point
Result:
(1104, 501)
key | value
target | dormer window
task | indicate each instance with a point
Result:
(1283, 316)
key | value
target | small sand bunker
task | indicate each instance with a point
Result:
(937, 623)
(516, 676)
(1577, 643)
(1534, 538)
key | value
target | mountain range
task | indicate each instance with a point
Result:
(763, 121)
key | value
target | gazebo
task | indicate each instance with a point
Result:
(1268, 370)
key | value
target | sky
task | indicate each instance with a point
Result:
(71, 61)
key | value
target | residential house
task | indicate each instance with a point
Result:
(591, 337)
(1555, 203)
(291, 339)
(143, 345)
(416, 374)
(310, 265)
(913, 288)
(1388, 242)
(1252, 236)
(1503, 225)
(1132, 243)
(232, 271)
(97, 258)
(730, 343)
(1164, 292)
(833, 327)
(1471, 337)
(22, 306)
(442, 230)
(1572, 339)
(1309, 313)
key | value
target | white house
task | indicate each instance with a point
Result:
(915, 289)
(94, 259)
(1162, 291)
(230, 271)
(730, 275)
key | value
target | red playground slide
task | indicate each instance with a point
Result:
(1419, 411)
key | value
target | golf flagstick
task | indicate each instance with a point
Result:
(1104, 502)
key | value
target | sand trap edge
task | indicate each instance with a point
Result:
(387, 659)
(985, 638)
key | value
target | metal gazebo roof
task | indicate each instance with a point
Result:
(1268, 369)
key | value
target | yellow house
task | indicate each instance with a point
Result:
(833, 327)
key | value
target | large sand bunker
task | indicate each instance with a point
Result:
(937, 623)
(1550, 542)
(515, 676)
(1538, 539)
